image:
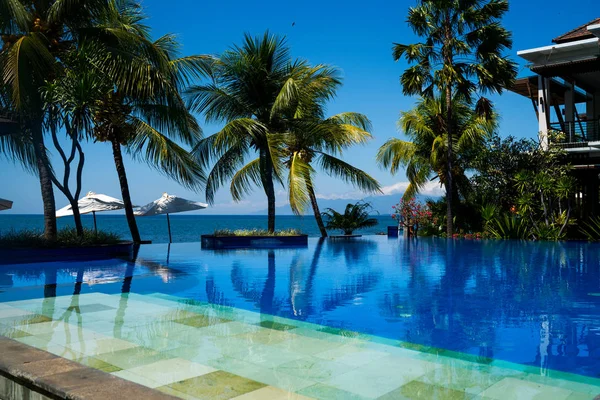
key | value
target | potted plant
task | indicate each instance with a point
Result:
(356, 216)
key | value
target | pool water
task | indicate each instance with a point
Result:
(373, 318)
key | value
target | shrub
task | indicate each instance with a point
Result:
(509, 227)
(256, 232)
(66, 237)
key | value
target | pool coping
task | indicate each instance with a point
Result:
(25, 369)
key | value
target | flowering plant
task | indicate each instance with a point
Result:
(412, 215)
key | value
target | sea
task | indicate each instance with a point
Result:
(184, 228)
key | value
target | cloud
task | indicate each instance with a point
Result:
(430, 189)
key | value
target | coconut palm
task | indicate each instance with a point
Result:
(314, 139)
(247, 91)
(321, 142)
(461, 55)
(355, 217)
(34, 37)
(148, 125)
(425, 155)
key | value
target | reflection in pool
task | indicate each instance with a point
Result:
(534, 304)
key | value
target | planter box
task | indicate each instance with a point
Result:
(393, 231)
(100, 252)
(212, 242)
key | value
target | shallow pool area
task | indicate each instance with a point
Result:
(373, 318)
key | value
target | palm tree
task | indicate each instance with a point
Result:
(355, 216)
(35, 35)
(69, 102)
(147, 123)
(247, 91)
(425, 155)
(462, 55)
(315, 139)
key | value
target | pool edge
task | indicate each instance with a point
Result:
(28, 371)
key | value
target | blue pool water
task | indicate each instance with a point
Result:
(536, 304)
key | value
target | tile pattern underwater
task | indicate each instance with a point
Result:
(198, 350)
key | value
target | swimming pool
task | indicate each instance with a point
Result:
(366, 319)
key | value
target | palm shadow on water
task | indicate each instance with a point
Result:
(353, 250)
(301, 302)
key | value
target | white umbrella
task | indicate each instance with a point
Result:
(5, 204)
(168, 204)
(93, 203)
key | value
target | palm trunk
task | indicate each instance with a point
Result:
(135, 233)
(315, 207)
(267, 181)
(45, 176)
(450, 154)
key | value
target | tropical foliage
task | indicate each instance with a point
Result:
(425, 154)
(412, 215)
(273, 109)
(314, 139)
(101, 77)
(461, 55)
(355, 217)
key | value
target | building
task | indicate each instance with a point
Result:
(565, 95)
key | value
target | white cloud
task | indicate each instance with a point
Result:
(430, 189)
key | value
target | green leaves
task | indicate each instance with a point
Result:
(355, 217)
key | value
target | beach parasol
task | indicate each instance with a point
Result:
(5, 204)
(93, 203)
(169, 204)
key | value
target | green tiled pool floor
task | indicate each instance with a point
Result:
(201, 351)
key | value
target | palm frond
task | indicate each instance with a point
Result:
(166, 156)
(244, 179)
(299, 183)
(342, 170)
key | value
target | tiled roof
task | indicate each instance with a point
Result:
(578, 33)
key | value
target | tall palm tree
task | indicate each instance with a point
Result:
(425, 155)
(246, 91)
(35, 34)
(312, 138)
(147, 123)
(461, 55)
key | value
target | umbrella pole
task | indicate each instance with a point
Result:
(95, 226)
(169, 224)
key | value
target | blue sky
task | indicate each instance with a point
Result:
(354, 36)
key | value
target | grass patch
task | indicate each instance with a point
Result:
(67, 237)
(256, 232)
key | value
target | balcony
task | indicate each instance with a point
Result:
(578, 133)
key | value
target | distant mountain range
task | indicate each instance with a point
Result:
(381, 204)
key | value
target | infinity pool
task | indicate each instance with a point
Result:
(373, 318)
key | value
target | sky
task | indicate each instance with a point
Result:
(355, 37)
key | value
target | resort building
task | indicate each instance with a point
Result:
(565, 93)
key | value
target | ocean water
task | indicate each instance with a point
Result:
(184, 228)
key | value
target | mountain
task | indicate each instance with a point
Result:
(381, 204)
